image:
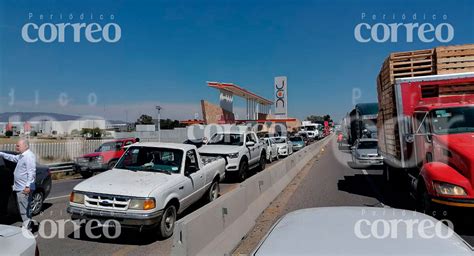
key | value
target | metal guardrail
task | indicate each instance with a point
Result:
(61, 167)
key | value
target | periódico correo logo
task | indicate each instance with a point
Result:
(409, 28)
(98, 30)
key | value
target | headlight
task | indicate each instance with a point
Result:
(142, 204)
(233, 155)
(76, 197)
(99, 158)
(284, 147)
(449, 189)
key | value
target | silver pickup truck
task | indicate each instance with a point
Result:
(149, 186)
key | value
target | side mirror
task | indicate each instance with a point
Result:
(96, 150)
(250, 144)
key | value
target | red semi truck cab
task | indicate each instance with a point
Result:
(435, 129)
(103, 158)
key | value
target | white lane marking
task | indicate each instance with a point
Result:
(57, 197)
(382, 204)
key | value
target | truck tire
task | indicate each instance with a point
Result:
(111, 164)
(243, 170)
(423, 202)
(213, 192)
(167, 222)
(263, 161)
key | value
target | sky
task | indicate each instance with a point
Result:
(167, 50)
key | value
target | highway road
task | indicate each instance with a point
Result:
(333, 180)
(330, 180)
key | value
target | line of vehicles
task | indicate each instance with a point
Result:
(152, 182)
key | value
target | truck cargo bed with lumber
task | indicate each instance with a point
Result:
(420, 63)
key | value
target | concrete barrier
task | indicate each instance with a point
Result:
(217, 228)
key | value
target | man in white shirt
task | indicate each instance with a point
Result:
(24, 178)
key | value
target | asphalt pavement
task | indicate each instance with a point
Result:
(333, 180)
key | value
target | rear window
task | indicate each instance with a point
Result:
(367, 145)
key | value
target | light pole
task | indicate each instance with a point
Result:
(158, 109)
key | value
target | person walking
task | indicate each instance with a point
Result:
(24, 178)
(340, 138)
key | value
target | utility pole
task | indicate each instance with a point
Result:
(158, 109)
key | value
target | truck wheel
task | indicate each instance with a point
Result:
(167, 222)
(111, 164)
(263, 162)
(243, 169)
(423, 203)
(213, 192)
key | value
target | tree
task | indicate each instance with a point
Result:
(315, 119)
(144, 119)
(93, 133)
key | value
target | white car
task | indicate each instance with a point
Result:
(17, 241)
(150, 184)
(360, 231)
(272, 149)
(241, 149)
(285, 147)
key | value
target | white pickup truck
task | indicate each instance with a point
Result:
(242, 151)
(150, 184)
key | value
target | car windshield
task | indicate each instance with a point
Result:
(279, 140)
(109, 146)
(233, 139)
(151, 159)
(367, 145)
(296, 139)
(453, 120)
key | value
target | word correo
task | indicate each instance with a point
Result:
(382, 32)
(49, 32)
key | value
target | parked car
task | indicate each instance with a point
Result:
(104, 158)
(241, 149)
(272, 150)
(285, 147)
(297, 143)
(365, 153)
(8, 201)
(17, 241)
(149, 186)
(319, 231)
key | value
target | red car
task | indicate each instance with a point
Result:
(104, 158)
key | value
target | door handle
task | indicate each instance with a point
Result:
(182, 187)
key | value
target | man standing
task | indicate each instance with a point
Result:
(24, 178)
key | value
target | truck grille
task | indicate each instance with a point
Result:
(106, 201)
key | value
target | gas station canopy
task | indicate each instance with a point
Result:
(239, 91)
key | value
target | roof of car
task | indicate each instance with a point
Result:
(164, 145)
(334, 231)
